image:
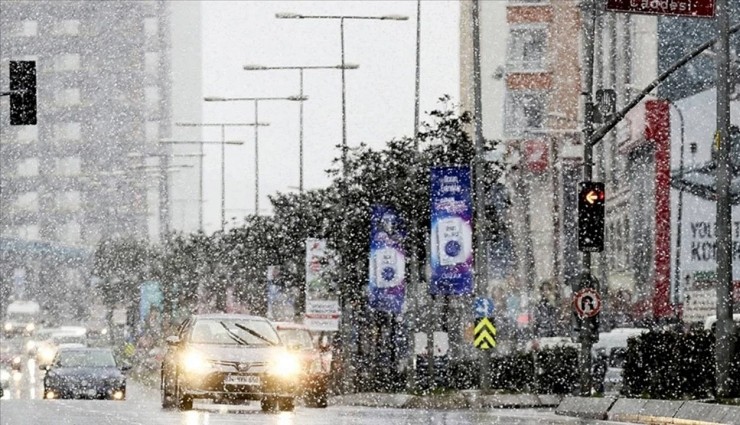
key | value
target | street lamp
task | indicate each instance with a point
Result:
(223, 157)
(256, 101)
(300, 93)
(341, 19)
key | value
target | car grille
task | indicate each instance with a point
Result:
(251, 367)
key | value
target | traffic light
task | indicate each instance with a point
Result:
(22, 93)
(591, 199)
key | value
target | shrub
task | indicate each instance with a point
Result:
(557, 370)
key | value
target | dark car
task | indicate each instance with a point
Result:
(315, 362)
(84, 373)
(228, 358)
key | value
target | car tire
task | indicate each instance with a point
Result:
(184, 401)
(286, 404)
(167, 396)
(316, 399)
(268, 404)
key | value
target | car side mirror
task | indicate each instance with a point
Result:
(172, 340)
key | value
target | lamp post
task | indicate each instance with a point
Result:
(166, 157)
(223, 157)
(343, 66)
(346, 324)
(300, 94)
(256, 101)
(200, 186)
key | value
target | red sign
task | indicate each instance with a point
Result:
(691, 8)
(587, 302)
(536, 155)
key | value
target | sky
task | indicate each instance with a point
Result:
(380, 93)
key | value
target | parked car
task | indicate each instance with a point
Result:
(229, 357)
(611, 350)
(84, 373)
(315, 371)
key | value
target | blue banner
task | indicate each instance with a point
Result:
(451, 232)
(386, 287)
(151, 297)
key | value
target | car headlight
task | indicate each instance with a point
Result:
(8, 327)
(17, 360)
(194, 362)
(103, 331)
(285, 365)
(30, 327)
(46, 354)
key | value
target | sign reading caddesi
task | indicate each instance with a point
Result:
(386, 288)
(689, 8)
(451, 232)
(322, 305)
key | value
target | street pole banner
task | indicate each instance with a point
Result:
(451, 232)
(387, 274)
(322, 303)
(280, 305)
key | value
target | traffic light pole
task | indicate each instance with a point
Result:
(586, 338)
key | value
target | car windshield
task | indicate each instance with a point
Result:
(86, 358)
(233, 332)
(296, 338)
(69, 339)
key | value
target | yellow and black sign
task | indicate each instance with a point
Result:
(485, 334)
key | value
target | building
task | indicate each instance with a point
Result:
(532, 56)
(103, 78)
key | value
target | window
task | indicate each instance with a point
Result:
(151, 62)
(152, 98)
(151, 27)
(25, 28)
(69, 201)
(28, 201)
(67, 62)
(152, 131)
(67, 166)
(27, 134)
(67, 27)
(28, 167)
(525, 111)
(67, 131)
(527, 48)
(67, 97)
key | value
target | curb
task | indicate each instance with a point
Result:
(647, 411)
(451, 401)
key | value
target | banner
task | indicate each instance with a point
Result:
(386, 289)
(451, 232)
(322, 304)
(280, 304)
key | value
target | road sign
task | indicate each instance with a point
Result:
(485, 333)
(587, 302)
(483, 307)
(689, 8)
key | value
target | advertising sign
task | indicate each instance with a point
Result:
(322, 305)
(387, 271)
(280, 306)
(451, 232)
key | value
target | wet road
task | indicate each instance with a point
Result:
(21, 405)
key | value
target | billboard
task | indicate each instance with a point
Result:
(387, 272)
(322, 304)
(451, 232)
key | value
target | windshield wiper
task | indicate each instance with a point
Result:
(253, 333)
(239, 340)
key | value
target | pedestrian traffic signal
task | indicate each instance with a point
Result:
(591, 199)
(22, 93)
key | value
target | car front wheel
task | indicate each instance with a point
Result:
(184, 401)
(166, 391)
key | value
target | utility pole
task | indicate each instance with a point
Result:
(586, 337)
(725, 325)
(481, 284)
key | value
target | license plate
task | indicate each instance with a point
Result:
(242, 380)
